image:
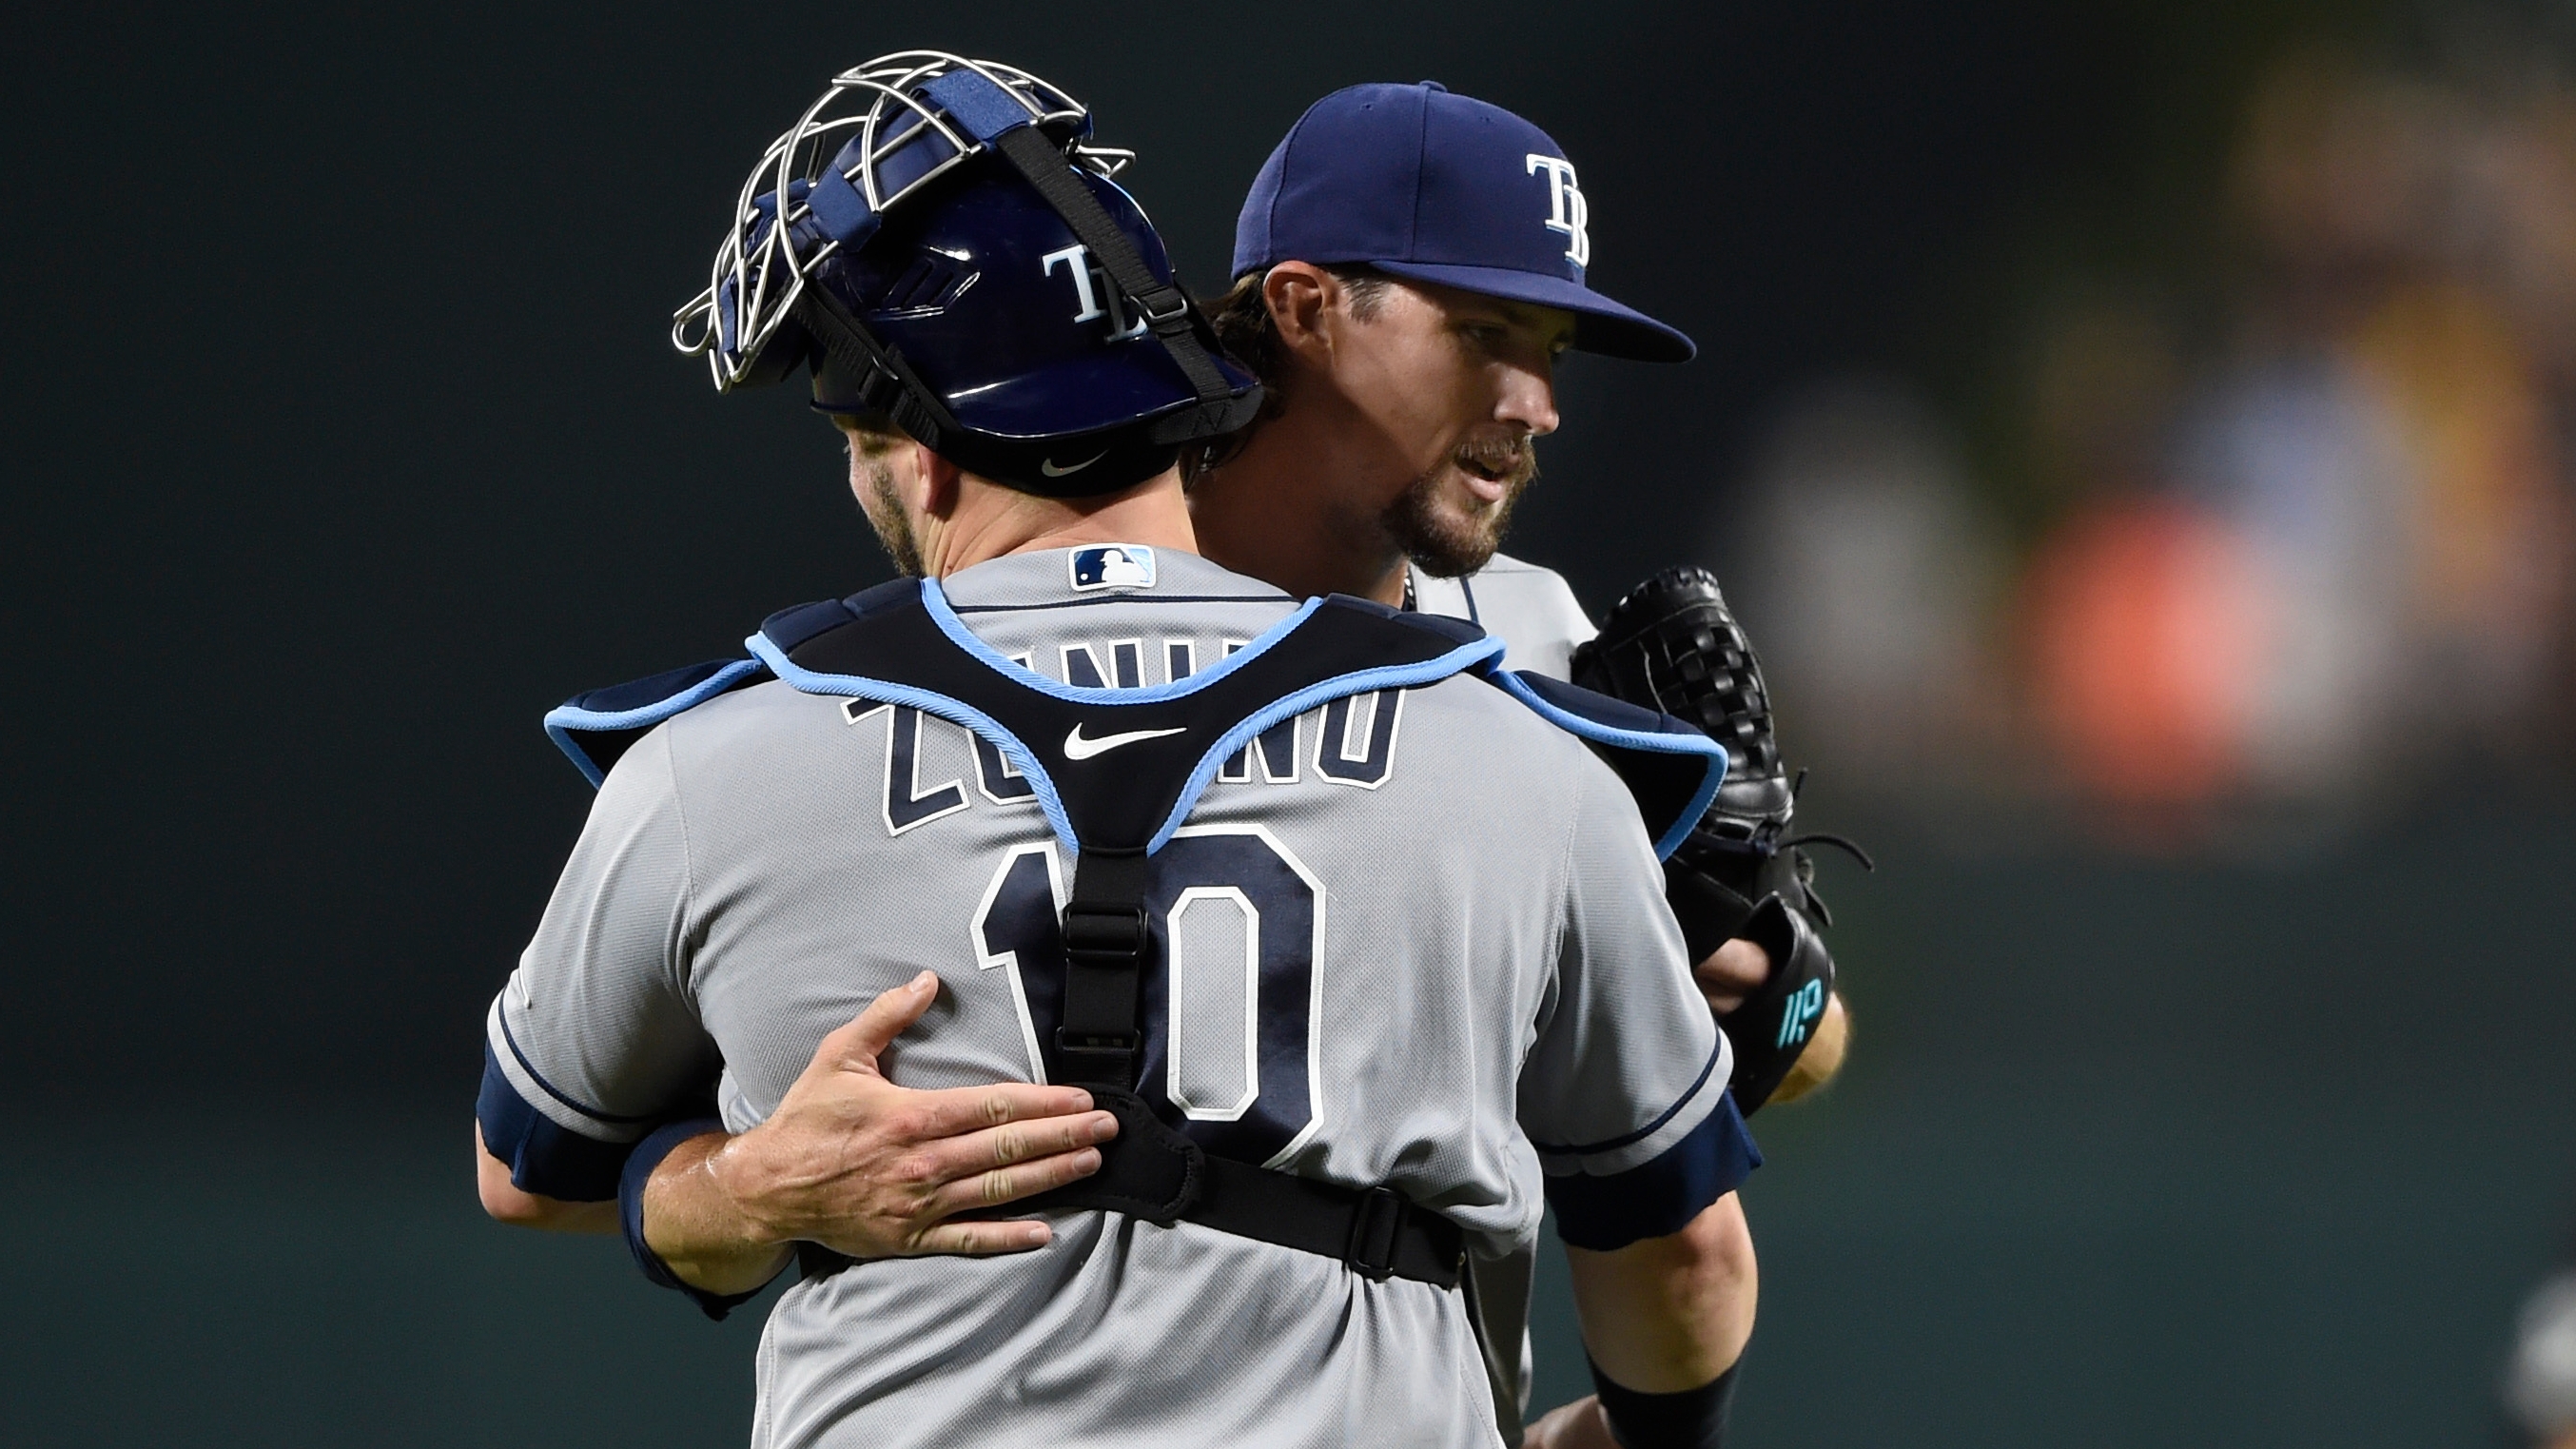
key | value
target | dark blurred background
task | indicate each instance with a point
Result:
(2137, 433)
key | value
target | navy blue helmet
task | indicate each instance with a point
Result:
(938, 245)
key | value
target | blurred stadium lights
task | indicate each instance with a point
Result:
(2540, 1387)
(1866, 572)
(2274, 522)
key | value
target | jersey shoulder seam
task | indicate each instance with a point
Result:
(1561, 899)
(684, 977)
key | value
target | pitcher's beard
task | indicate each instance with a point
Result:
(1445, 545)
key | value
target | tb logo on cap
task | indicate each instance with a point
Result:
(1567, 211)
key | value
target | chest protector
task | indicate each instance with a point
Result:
(1116, 771)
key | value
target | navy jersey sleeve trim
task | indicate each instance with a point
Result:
(550, 1089)
(595, 727)
(648, 1154)
(1716, 1054)
(1672, 769)
(1659, 1197)
(543, 1157)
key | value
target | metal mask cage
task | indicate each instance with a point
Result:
(874, 113)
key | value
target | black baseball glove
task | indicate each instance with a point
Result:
(1672, 645)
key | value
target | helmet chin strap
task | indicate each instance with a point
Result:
(941, 121)
(1166, 310)
(994, 118)
(887, 384)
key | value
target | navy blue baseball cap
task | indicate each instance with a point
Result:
(1435, 187)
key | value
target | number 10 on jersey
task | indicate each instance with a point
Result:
(1229, 990)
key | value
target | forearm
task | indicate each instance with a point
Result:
(699, 1229)
(509, 1203)
(1672, 1313)
(853, 1163)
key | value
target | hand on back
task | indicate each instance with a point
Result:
(867, 1168)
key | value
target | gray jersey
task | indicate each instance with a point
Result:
(1494, 998)
(1529, 608)
(1534, 612)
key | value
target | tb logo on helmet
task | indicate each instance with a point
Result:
(1567, 211)
(850, 257)
(1077, 260)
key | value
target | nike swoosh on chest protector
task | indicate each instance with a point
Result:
(1078, 748)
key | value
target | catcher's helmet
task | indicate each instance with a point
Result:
(936, 243)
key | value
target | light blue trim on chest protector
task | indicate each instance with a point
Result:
(564, 719)
(1617, 737)
(935, 600)
(1478, 655)
(566, 722)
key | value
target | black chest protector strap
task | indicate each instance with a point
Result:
(1106, 938)
(1116, 770)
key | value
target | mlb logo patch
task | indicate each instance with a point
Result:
(1113, 566)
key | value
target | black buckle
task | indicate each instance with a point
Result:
(1105, 943)
(1164, 321)
(1376, 1223)
(1098, 1059)
(1097, 1043)
(878, 391)
(1104, 935)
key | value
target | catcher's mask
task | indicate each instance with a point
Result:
(935, 241)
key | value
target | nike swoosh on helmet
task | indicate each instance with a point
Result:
(1049, 468)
